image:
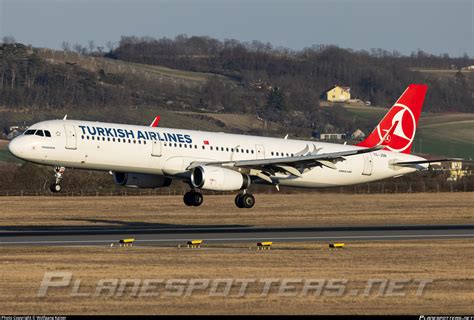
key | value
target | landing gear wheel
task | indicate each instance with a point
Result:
(193, 198)
(248, 200)
(245, 200)
(58, 175)
(238, 201)
(55, 187)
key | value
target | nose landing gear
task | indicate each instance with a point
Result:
(58, 174)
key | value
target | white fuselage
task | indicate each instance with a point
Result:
(169, 152)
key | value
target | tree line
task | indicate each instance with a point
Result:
(274, 83)
(376, 75)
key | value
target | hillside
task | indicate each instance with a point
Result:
(40, 84)
(447, 134)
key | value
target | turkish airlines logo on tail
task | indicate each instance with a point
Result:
(404, 133)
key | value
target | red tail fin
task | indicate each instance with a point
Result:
(404, 115)
(155, 122)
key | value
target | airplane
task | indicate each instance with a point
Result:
(151, 157)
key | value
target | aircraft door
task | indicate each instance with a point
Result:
(368, 164)
(156, 148)
(71, 137)
(260, 150)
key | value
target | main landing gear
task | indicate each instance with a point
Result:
(58, 175)
(244, 200)
(193, 198)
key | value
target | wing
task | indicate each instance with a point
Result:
(295, 165)
(265, 168)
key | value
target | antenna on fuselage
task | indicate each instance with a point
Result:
(65, 117)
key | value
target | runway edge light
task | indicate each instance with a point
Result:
(127, 242)
(193, 244)
(264, 245)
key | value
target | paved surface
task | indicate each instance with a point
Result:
(169, 234)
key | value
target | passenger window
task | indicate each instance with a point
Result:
(203, 148)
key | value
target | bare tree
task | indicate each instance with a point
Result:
(8, 39)
(65, 45)
(110, 45)
(91, 45)
(77, 47)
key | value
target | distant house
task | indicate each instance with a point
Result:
(337, 94)
(332, 136)
(358, 135)
(456, 170)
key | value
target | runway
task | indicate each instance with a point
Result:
(171, 234)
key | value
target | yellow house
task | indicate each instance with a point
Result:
(456, 171)
(337, 94)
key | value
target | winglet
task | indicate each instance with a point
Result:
(155, 122)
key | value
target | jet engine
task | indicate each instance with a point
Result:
(141, 180)
(218, 179)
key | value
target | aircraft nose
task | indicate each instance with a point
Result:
(15, 148)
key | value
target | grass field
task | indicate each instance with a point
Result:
(454, 139)
(447, 263)
(315, 209)
(449, 269)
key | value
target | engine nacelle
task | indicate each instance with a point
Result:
(141, 180)
(218, 179)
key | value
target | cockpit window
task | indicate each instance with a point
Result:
(39, 133)
(29, 132)
(47, 133)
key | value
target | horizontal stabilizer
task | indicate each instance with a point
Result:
(408, 163)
